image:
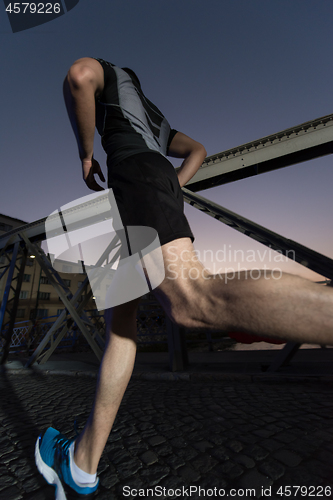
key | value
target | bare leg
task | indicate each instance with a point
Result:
(290, 308)
(114, 375)
(283, 306)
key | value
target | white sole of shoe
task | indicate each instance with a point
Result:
(49, 474)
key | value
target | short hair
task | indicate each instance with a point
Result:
(133, 75)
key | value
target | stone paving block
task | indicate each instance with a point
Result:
(210, 481)
(235, 446)
(264, 433)
(277, 415)
(128, 467)
(7, 481)
(148, 434)
(248, 438)
(11, 493)
(45, 493)
(189, 474)
(324, 435)
(158, 420)
(6, 447)
(249, 427)
(25, 471)
(5, 441)
(287, 457)
(186, 453)
(129, 431)
(145, 418)
(189, 420)
(217, 439)
(149, 457)
(108, 480)
(164, 427)
(33, 483)
(194, 436)
(325, 456)
(245, 461)
(102, 466)
(271, 444)
(202, 445)
(172, 483)
(131, 483)
(128, 441)
(119, 455)
(154, 474)
(320, 470)
(256, 452)
(300, 476)
(172, 433)
(112, 448)
(136, 448)
(156, 440)
(272, 469)
(268, 419)
(228, 469)
(9, 457)
(220, 453)
(185, 428)
(254, 480)
(178, 442)
(286, 437)
(303, 447)
(163, 449)
(203, 463)
(173, 461)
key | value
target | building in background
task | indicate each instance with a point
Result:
(38, 298)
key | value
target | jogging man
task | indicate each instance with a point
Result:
(137, 138)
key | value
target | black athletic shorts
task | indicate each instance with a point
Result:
(148, 193)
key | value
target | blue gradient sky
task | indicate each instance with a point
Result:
(223, 72)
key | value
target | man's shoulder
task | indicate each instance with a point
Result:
(103, 62)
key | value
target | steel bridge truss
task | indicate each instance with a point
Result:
(73, 304)
(304, 142)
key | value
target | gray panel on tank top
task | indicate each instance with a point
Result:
(132, 109)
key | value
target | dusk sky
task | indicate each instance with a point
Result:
(223, 72)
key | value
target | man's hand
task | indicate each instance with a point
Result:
(89, 169)
(193, 153)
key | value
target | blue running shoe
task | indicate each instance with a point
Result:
(54, 462)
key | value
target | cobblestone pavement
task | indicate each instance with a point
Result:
(169, 436)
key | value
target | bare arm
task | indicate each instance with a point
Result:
(84, 81)
(193, 153)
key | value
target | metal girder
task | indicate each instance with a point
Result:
(178, 357)
(10, 268)
(81, 215)
(294, 145)
(284, 356)
(17, 261)
(309, 258)
(43, 357)
(61, 321)
(63, 293)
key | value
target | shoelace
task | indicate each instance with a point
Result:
(61, 445)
